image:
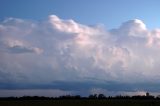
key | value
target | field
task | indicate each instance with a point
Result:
(80, 103)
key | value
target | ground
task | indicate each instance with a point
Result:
(121, 102)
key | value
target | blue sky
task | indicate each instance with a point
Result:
(109, 12)
(59, 47)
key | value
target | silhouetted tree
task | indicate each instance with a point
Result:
(147, 94)
(92, 96)
(101, 96)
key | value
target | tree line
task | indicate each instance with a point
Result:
(92, 96)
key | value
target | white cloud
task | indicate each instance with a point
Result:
(135, 28)
(63, 50)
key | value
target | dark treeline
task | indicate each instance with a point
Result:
(94, 96)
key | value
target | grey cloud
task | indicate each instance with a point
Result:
(33, 92)
(20, 49)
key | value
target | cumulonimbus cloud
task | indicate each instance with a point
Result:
(64, 50)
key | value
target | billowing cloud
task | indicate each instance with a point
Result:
(45, 52)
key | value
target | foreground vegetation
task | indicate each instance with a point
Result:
(92, 100)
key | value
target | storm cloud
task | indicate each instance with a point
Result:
(45, 52)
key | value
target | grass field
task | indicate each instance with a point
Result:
(80, 103)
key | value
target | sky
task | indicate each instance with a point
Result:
(79, 47)
(111, 13)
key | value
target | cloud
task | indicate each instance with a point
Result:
(33, 92)
(18, 48)
(135, 28)
(114, 93)
(54, 50)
